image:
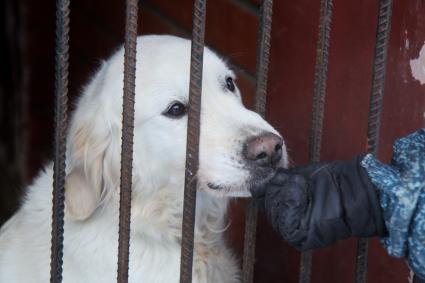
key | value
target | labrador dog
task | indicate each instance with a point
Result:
(238, 149)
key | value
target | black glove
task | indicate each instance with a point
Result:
(316, 205)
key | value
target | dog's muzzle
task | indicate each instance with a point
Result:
(264, 150)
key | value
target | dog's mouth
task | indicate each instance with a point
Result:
(241, 182)
(241, 188)
(215, 187)
(225, 190)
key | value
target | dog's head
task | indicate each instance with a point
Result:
(238, 148)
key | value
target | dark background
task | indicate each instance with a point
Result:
(26, 93)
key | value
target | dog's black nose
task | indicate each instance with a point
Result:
(265, 150)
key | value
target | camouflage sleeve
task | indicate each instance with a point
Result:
(401, 189)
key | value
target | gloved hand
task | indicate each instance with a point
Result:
(316, 205)
(401, 188)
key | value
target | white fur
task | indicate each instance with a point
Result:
(93, 166)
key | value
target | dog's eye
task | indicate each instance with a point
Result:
(230, 84)
(176, 110)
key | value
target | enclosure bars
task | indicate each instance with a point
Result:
(192, 148)
(61, 118)
(262, 68)
(127, 139)
(319, 93)
(375, 108)
(61, 90)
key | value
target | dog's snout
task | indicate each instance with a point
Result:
(265, 150)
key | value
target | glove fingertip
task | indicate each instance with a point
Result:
(281, 176)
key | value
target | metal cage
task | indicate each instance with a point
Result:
(198, 28)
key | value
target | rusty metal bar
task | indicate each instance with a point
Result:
(61, 121)
(263, 54)
(130, 45)
(251, 218)
(262, 70)
(320, 77)
(193, 131)
(375, 109)
(319, 95)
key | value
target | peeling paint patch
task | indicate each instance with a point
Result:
(417, 66)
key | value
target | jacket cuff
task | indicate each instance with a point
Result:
(372, 190)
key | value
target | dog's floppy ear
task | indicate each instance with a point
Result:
(84, 181)
(81, 199)
(88, 141)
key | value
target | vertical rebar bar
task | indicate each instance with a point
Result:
(249, 242)
(193, 132)
(262, 69)
(263, 54)
(61, 119)
(375, 109)
(320, 77)
(130, 45)
(319, 95)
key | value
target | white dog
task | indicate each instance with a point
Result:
(237, 150)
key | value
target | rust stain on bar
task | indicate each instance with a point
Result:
(130, 45)
(318, 112)
(375, 109)
(193, 131)
(263, 52)
(61, 121)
